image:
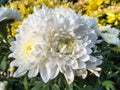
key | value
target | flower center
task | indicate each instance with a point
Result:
(28, 47)
(66, 45)
(110, 38)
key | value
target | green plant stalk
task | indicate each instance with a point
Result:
(25, 83)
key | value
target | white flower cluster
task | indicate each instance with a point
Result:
(55, 40)
(10, 13)
(109, 34)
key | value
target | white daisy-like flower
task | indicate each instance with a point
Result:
(114, 31)
(10, 13)
(104, 28)
(109, 34)
(108, 29)
(111, 38)
(51, 41)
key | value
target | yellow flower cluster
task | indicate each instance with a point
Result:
(12, 30)
(113, 14)
(106, 11)
(26, 6)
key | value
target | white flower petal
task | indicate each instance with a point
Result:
(89, 51)
(74, 65)
(3, 18)
(82, 73)
(54, 72)
(36, 9)
(44, 72)
(84, 58)
(69, 75)
(81, 65)
(93, 59)
(95, 72)
(15, 63)
(33, 72)
(10, 13)
(20, 72)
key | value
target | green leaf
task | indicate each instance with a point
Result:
(87, 88)
(37, 88)
(108, 85)
(39, 85)
(25, 83)
(69, 87)
(40, 88)
(99, 87)
(3, 29)
(3, 64)
(55, 87)
(3, 1)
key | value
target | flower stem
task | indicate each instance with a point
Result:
(25, 83)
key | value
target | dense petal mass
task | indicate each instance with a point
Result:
(55, 40)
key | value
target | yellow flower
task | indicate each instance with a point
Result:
(13, 30)
(111, 17)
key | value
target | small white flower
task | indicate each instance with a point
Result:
(10, 13)
(52, 41)
(108, 29)
(109, 34)
(114, 31)
(104, 28)
(111, 38)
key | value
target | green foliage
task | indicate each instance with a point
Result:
(3, 1)
(108, 85)
(4, 45)
(15, 84)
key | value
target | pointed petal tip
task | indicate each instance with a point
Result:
(36, 8)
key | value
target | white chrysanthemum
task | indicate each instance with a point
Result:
(52, 41)
(10, 13)
(109, 34)
(111, 38)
